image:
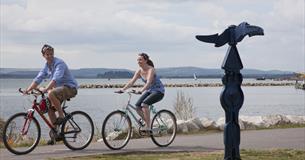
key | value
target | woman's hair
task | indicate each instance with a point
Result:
(146, 57)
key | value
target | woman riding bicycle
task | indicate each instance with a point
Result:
(153, 90)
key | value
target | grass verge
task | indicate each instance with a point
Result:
(276, 154)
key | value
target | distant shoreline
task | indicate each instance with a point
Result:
(168, 73)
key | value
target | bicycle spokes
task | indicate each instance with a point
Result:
(116, 130)
(77, 130)
(18, 136)
(21, 135)
(164, 128)
(119, 128)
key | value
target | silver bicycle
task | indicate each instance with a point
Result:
(117, 127)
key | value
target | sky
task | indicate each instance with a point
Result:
(111, 33)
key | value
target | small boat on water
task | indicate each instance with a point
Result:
(261, 78)
(195, 77)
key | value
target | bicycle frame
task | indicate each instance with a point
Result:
(35, 107)
(129, 107)
(30, 115)
(118, 128)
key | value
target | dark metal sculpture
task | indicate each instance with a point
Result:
(232, 96)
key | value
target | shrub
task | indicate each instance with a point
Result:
(183, 106)
(2, 122)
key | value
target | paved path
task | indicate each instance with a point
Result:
(293, 138)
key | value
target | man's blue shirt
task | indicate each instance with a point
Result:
(57, 71)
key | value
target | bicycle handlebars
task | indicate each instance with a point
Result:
(39, 92)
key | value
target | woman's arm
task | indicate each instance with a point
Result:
(150, 78)
(132, 81)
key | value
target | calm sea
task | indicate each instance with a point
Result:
(99, 102)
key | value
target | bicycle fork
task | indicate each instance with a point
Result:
(27, 122)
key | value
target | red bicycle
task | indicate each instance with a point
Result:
(22, 131)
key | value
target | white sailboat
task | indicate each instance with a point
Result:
(195, 77)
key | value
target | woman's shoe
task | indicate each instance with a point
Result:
(145, 130)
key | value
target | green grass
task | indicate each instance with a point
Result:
(42, 142)
(278, 154)
(283, 126)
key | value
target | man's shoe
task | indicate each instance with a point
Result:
(59, 137)
(50, 142)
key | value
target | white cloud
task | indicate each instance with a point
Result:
(94, 33)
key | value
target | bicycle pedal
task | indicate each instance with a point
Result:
(146, 132)
(142, 123)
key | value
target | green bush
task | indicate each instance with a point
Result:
(2, 122)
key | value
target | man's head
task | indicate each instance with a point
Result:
(47, 47)
(47, 52)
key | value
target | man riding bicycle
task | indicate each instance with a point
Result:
(62, 84)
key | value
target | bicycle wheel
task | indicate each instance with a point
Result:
(77, 130)
(116, 130)
(20, 134)
(164, 128)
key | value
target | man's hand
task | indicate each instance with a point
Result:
(24, 92)
(43, 89)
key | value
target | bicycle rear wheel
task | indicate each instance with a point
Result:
(20, 134)
(116, 130)
(164, 128)
(77, 130)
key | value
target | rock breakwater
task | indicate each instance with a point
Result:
(184, 85)
(245, 123)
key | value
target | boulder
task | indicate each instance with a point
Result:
(296, 119)
(252, 122)
(192, 126)
(272, 120)
(208, 124)
(182, 126)
(220, 123)
(197, 121)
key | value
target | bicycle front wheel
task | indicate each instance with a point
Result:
(21, 134)
(164, 128)
(77, 130)
(116, 130)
